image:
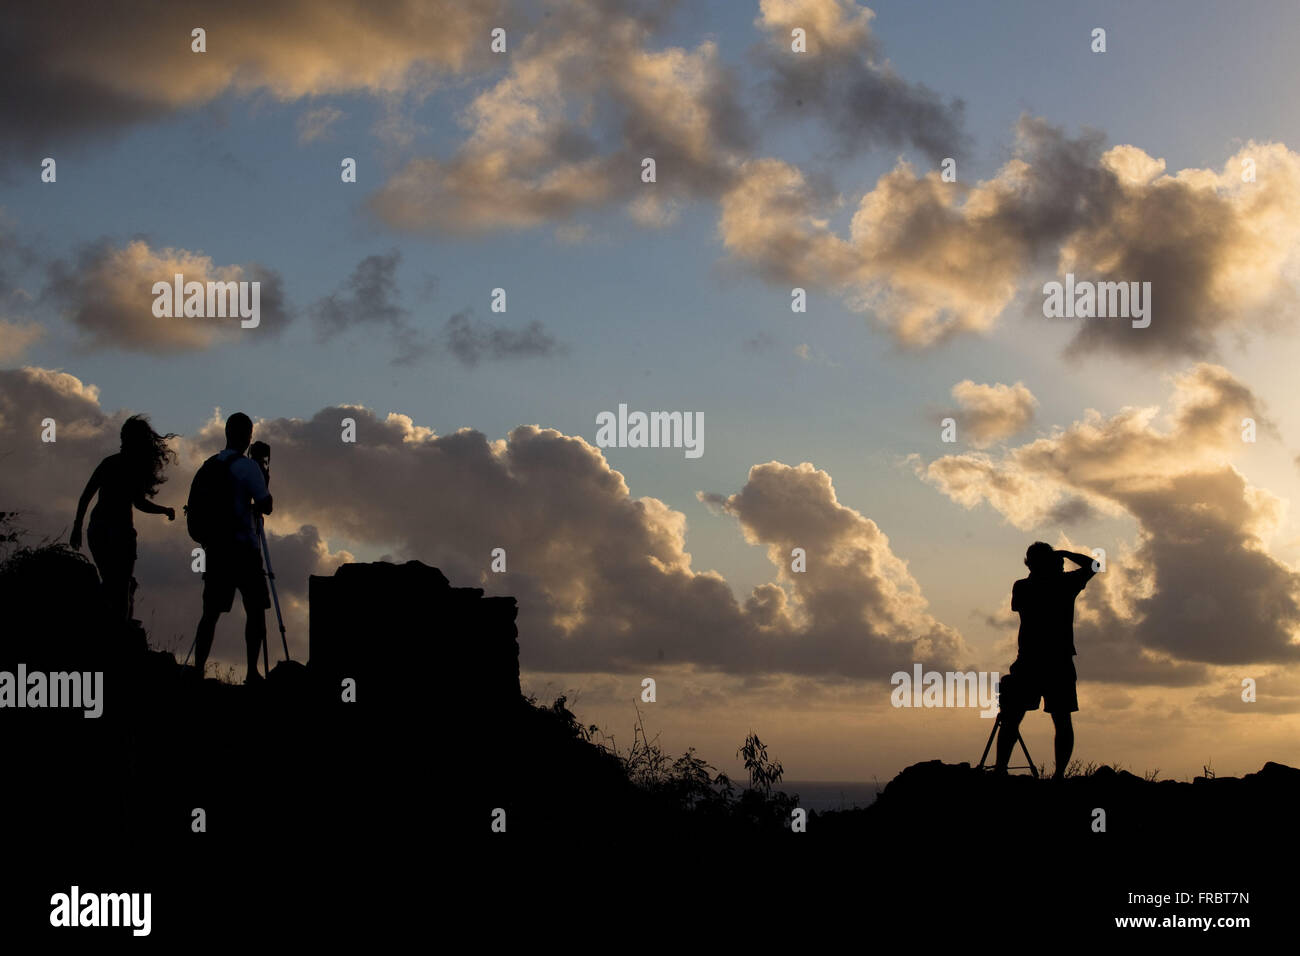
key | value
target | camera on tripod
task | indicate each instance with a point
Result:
(260, 452)
(1009, 692)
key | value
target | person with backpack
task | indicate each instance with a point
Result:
(227, 494)
(124, 480)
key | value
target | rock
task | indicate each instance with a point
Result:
(404, 633)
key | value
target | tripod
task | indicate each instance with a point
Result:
(1019, 738)
(275, 597)
(260, 452)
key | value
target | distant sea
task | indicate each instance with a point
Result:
(822, 795)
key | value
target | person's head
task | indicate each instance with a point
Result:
(1041, 558)
(239, 431)
(147, 452)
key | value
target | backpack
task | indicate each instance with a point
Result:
(210, 510)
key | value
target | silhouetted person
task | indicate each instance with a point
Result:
(234, 562)
(129, 478)
(1044, 665)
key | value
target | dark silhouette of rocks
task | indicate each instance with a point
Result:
(286, 772)
(436, 670)
(947, 801)
(381, 623)
(51, 604)
(293, 780)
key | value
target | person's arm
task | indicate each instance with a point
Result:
(1015, 603)
(1079, 578)
(255, 484)
(1082, 560)
(148, 507)
(92, 487)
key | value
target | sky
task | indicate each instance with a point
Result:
(822, 170)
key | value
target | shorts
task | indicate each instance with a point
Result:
(234, 569)
(1055, 685)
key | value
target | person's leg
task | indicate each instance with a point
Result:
(254, 633)
(114, 575)
(203, 636)
(1008, 734)
(129, 556)
(218, 598)
(1064, 742)
(256, 597)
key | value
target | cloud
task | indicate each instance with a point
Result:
(572, 233)
(474, 341)
(769, 218)
(17, 337)
(1275, 690)
(857, 596)
(604, 579)
(28, 395)
(14, 253)
(315, 124)
(367, 298)
(653, 212)
(1220, 254)
(931, 259)
(131, 64)
(567, 128)
(1070, 510)
(1198, 586)
(989, 413)
(106, 293)
(842, 80)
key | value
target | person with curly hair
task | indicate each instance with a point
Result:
(129, 478)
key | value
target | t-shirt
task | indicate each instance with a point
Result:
(1046, 607)
(119, 486)
(250, 486)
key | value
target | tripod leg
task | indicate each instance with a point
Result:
(992, 733)
(1028, 759)
(270, 577)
